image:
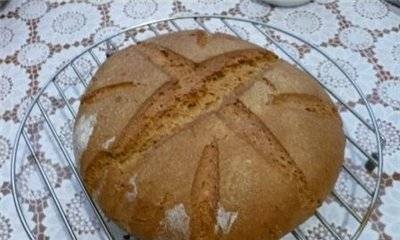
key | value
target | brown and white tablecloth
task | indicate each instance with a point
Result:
(37, 37)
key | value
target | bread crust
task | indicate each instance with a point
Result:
(195, 136)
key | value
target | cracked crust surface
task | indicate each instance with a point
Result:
(213, 138)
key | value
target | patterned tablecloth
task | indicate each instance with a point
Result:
(37, 37)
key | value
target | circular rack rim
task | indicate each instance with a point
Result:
(371, 115)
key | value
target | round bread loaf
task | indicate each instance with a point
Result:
(196, 136)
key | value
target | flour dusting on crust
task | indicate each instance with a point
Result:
(225, 220)
(83, 131)
(131, 195)
(176, 221)
(108, 143)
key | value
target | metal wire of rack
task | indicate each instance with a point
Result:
(375, 159)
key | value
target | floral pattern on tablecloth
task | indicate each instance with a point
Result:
(38, 37)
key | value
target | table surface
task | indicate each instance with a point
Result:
(37, 37)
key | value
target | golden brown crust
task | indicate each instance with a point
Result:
(251, 129)
(182, 100)
(212, 138)
(205, 194)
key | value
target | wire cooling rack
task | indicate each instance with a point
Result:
(43, 139)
